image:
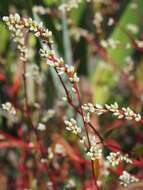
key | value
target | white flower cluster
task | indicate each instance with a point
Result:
(132, 28)
(88, 108)
(126, 113)
(70, 184)
(38, 30)
(70, 5)
(98, 19)
(110, 21)
(41, 127)
(50, 153)
(129, 114)
(59, 149)
(17, 26)
(110, 43)
(50, 185)
(14, 25)
(114, 158)
(83, 140)
(48, 114)
(133, 5)
(126, 179)
(41, 10)
(70, 70)
(8, 107)
(52, 59)
(71, 125)
(94, 152)
(58, 63)
(139, 43)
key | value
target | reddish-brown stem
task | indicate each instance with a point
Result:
(86, 130)
(84, 122)
(18, 142)
(76, 109)
(82, 115)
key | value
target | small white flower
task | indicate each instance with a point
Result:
(82, 140)
(133, 5)
(138, 117)
(113, 43)
(44, 52)
(50, 185)
(17, 17)
(98, 18)
(89, 107)
(126, 179)
(71, 4)
(5, 18)
(94, 152)
(43, 160)
(114, 158)
(59, 149)
(110, 21)
(50, 153)
(98, 106)
(132, 28)
(73, 89)
(139, 43)
(9, 108)
(41, 127)
(104, 43)
(64, 99)
(71, 125)
(70, 184)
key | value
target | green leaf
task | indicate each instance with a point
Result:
(129, 16)
(138, 150)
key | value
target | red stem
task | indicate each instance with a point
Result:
(86, 130)
(84, 123)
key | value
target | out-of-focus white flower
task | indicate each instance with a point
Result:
(98, 19)
(41, 127)
(50, 153)
(95, 152)
(71, 4)
(9, 108)
(132, 28)
(59, 149)
(70, 184)
(114, 158)
(126, 179)
(110, 21)
(139, 43)
(71, 125)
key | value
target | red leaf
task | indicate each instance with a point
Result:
(68, 148)
(15, 87)
(2, 77)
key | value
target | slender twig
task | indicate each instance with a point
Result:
(84, 122)
(86, 130)
(76, 108)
